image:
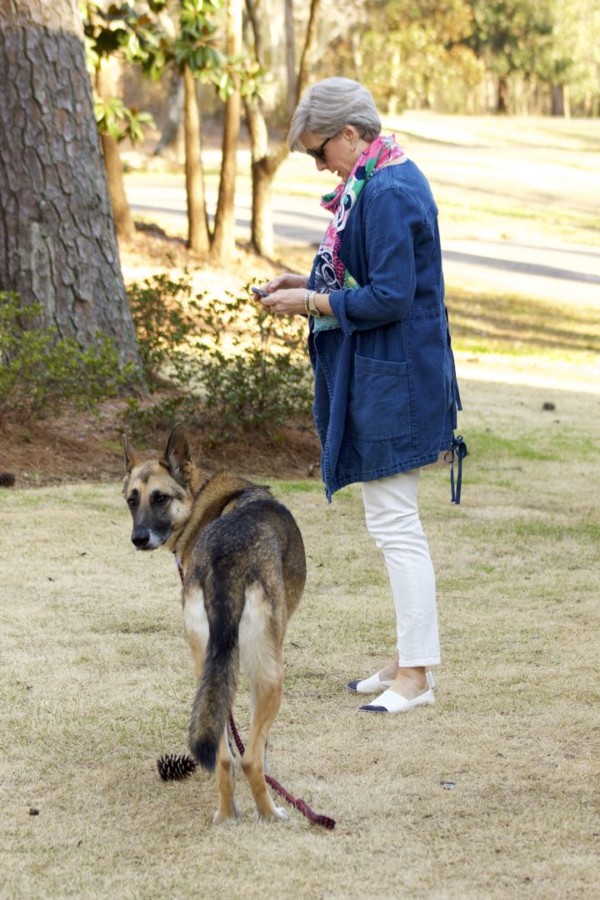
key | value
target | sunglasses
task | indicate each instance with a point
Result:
(319, 152)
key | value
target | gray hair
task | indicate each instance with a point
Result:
(329, 105)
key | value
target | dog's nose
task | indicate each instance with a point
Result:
(140, 538)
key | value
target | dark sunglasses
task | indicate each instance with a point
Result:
(319, 152)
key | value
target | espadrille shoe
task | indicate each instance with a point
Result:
(372, 685)
(391, 702)
(375, 684)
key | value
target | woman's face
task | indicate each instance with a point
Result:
(337, 153)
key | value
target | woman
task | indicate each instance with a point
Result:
(386, 396)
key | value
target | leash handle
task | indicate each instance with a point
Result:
(300, 805)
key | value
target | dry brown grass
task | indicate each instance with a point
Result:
(96, 684)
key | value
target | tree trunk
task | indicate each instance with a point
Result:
(114, 167)
(263, 173)
(170, 138)
(560, 101)
(264, 163)
(502, 97)
(198, 233)
(124, 225)
(223, 245)
(57, 239)
(290, 55)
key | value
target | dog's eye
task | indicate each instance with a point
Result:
(132, 501)
(161, 499)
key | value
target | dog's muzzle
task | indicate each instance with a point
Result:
(143, 539)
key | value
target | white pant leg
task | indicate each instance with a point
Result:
(392, 518)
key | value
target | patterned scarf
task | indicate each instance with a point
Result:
(330, 274)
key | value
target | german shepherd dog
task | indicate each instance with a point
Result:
(241, 557)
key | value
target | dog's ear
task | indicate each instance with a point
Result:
(131, 457)
(177, 457)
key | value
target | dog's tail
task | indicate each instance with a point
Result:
(216, 689)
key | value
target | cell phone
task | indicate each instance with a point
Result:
(259, 291)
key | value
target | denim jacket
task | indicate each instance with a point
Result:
(386, 395)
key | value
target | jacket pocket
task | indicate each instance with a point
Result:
(379, 406)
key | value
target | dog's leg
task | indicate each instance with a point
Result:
(227, 811)
(195, 625)
(266, 703)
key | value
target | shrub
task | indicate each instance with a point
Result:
(165, 315)
(231, 365)
(41, 373)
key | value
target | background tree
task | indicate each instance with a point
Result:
(111, 35)
(410, 53)
(265, 160)
(57, 240)
(223, 241)
(195, 49)
(510, 36)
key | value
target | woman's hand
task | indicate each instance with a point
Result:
(286, 280)
(285, 302)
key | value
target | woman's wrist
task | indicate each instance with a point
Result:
(310, 305)
(316, 305)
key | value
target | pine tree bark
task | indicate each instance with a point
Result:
(57, 239)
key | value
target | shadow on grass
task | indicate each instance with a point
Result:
(504, 323)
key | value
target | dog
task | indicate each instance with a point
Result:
(242, 562)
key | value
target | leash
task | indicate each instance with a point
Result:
(167, 766)
(301, 805)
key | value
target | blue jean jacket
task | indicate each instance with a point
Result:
(386, 395)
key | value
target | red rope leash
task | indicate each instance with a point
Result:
(301, 805)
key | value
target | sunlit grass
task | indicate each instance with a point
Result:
(97, 682)
(495, 322)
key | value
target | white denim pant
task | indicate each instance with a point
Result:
(392, 518)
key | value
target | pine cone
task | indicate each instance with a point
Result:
(7, 479)
(175, 768)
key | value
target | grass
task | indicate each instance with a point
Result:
(96, 684)
(488, 322)
(492, 794)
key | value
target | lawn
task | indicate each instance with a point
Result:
(96, 684)
(491, 794)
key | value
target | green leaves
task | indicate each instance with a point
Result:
(226, 359)
(120, 121)
(41, 373)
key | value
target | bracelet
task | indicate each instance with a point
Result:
(310, 306)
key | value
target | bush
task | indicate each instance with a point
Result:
(41, 373)
(232, 366)
(165, 315)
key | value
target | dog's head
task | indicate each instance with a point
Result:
(159, 492)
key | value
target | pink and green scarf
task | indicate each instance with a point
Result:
(330, 273)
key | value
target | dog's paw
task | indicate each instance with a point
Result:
(278, 814)
(227, 816)
(220, 819)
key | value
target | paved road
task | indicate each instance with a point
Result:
(541, 267)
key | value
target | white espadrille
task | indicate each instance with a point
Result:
(374, 684)
(371, 685)
(391, 702)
